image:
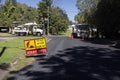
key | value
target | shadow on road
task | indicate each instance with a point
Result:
(99, 41)
(2, 51)
(78, 63)
(112, 43)
(4, 66)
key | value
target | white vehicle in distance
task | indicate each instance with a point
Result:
(81, 31)
(28, 29)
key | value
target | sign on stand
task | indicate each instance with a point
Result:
(35, 46)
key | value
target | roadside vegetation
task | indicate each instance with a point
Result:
(13, 53)
(67, 33)
(13, 13)
(104, 15)
(6, 35)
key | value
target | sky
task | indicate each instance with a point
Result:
(68, 5)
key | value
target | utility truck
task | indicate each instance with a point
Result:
(80, 31)
(28, 29)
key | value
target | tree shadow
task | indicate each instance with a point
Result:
(78, 63)
(116, 44)
(111, 43)
(99, 41)
(2, 51)
(4, 66)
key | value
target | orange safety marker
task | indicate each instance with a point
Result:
(72, 36)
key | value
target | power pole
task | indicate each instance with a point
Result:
(48, 21)
(49, 2)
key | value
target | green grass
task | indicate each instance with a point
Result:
(5, 34)
(12, 49)
(67, 33)
(15, 49)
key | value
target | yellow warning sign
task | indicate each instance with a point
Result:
(29, 44)
(40, 43)
(35, 44)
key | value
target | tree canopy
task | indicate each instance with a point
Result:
(58, 19)
(104, 14)
(12, 11)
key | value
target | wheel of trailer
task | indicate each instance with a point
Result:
(21, 34)
(38, 34)
(17, 34)
(34, 34)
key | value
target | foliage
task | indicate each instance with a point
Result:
(80, 18)
(59, 21)
(11, 51)
(108, 18)
(12, 11)
(104, 14)
(57, 17)
(87, 8)
(86, 5)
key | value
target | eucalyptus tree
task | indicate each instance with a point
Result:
(12, 2)
(80, 18)
(43, 8)
(104, 14)
(12, 11)
(108, 18)
(86, 5)
(57, 17)
(59, 20)
(43, 14)
(86, 8)
(7, 10)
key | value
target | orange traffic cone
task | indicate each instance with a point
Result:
(72, 36)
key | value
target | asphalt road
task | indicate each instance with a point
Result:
(73, 59)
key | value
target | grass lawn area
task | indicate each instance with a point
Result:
(67, 33)
(5, 34)
(12, 49)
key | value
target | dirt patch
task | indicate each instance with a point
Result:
(5, 34)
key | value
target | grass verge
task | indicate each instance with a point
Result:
(67, 33)
(5, 34)
(12, 50)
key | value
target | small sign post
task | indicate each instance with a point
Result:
(35, 46)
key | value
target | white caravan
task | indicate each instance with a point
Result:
(28, 29)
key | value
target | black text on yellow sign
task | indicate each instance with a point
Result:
(35, 44)
(40, 43)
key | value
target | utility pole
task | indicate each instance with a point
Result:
(48, 21)
(49, 3)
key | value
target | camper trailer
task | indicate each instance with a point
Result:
(28, 29)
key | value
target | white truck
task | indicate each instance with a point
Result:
(27, 29)
(81, 31)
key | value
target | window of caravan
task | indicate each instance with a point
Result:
(4, 29)
(82, 27)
